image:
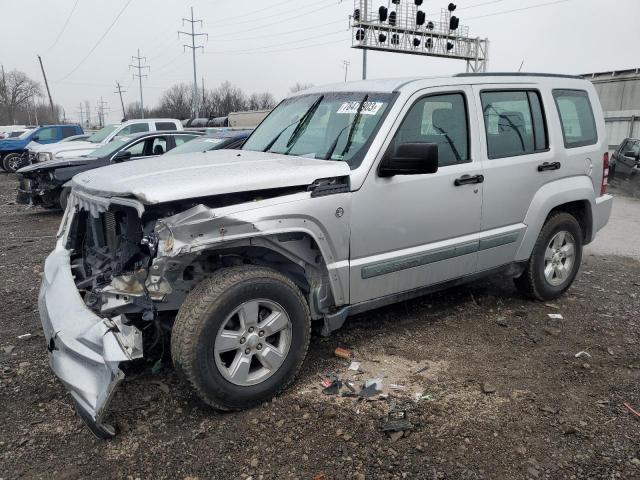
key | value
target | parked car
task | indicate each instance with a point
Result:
(11, 149)
(14, 133)
(44, 184)
(625, 161)
(104, 136)
(214, 140)
(345, 198)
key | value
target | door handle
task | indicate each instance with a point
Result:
(468, 180)
(549, 166)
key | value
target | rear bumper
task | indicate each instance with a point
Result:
(85, 351)
(602, 212)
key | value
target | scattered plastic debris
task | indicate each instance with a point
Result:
(25, 336)
(8, 349)
(418, 397)
(397, 423)
(422, 369)
(354, 366)
(342, 353)
(555, 316)
(582, 353)
(395, 386)
(331, 383)
(371, 388)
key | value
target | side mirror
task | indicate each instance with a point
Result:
(121, 156)
(631, 154)
(410, 159)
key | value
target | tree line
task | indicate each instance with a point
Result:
(22, 102)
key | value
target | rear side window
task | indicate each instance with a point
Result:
(68, 131)
(134, 128)
(439, 119)
(165, 126)
(576, 117)
(514, 122)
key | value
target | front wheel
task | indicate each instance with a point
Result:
(12, 162)
(241, 336)
(555, 259)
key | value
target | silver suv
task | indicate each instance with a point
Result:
(345, 198)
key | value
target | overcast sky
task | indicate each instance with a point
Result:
(259, 46)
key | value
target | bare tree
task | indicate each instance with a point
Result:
(176, 102)
(228, 98)
(16, 91)
(298, 87)
(261, 101)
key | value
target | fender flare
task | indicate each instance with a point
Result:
(548, 197)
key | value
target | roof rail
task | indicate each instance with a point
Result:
(517, 74)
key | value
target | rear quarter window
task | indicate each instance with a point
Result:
(576, 117)
(166, 126)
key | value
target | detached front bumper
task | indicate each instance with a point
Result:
(85, 350)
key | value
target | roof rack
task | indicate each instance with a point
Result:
(517, 74)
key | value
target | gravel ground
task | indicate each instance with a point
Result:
(503, 395)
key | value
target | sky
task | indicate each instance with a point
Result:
(87, 45)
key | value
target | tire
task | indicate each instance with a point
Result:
(537, 284)
(64, 197)
(12, 162)
(208, 311)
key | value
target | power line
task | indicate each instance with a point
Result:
(259, 49)
(64, 27)
(260, 10)
(252, 52)
(97, 43)
(530, 7)
(304, 7)
(313, 27)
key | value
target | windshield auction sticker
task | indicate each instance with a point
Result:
(369, 108)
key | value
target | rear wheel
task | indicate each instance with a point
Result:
(12, 162)
(241, 336)
(555, 259)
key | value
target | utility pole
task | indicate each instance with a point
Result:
(193, 48)
(46, 84)
(346, 64)
(120, 92)
(140, 67)
(81, 116)
(364, 63)
(202, 83)
(100, 109)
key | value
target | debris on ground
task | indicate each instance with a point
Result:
(631, 409)
(371, 388)
(582, 353)
(555, 316)
(25, 336)
(8, 349)
(396, 423)
(331, 383)
(342, 353)
(354, 366)
(422, 369)
(488, 388)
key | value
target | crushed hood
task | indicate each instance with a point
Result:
(192, 175)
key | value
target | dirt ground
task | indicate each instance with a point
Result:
(503, 395)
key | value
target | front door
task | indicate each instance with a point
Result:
(411, 231)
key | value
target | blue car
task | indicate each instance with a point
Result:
(11, 149)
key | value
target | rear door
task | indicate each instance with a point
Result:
(627, 158)
(517, 161)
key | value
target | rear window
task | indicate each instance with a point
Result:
(68, 131)
(576, 117)
(165, 126)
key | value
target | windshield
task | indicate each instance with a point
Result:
(111, 147)
(331, 126)
(202, 144)
(103, 133)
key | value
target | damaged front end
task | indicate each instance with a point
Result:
(93, 302)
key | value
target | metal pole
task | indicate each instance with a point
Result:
(124, 113)
(140, 82)
(364, 63)
(46, 84)
(195, 79)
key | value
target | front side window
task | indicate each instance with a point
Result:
(330, 126)
(102, 134)
(47, 133)
(439, 119)
(576, 117)
(633, 148)
(138, 148)
(514, 123)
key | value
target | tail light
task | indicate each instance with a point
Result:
(605, 174)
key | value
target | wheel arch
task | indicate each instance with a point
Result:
(573, 195)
